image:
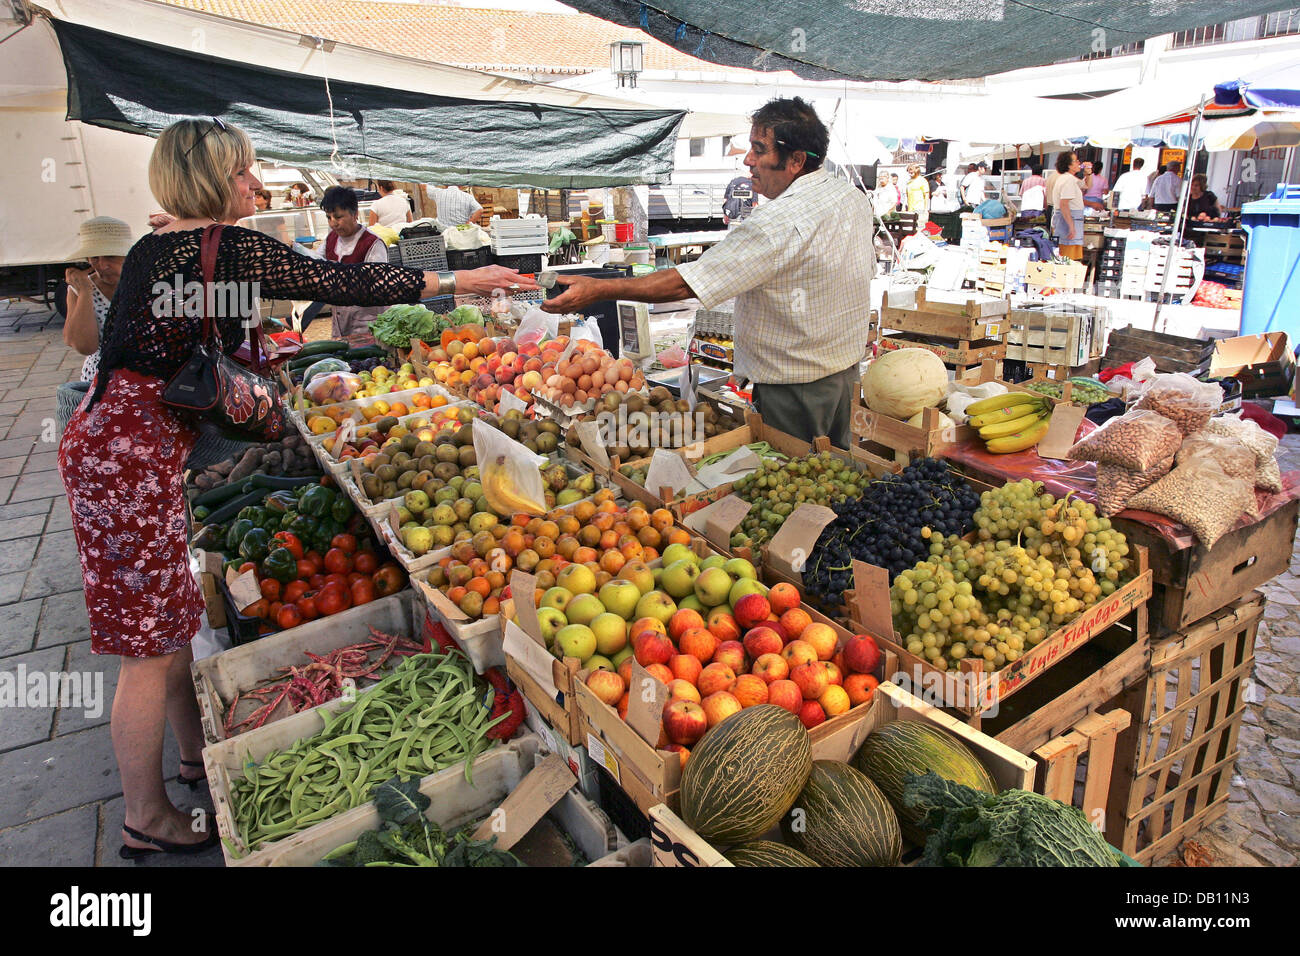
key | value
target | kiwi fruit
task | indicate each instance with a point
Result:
(447, 453)
(427, 462)
(372, 486)
(405, 478)
(401, 460)
(384, 424)
(465, 435)
(634, 403)
(383, 458)
(390, 489)
(546, 443)
(510, 427)
(445, 470)
(386, 473)
(421, 479)
(410, 442)
(421, 449)
(467, 456)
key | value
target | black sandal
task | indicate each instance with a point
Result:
(137, 853)
(193, 784)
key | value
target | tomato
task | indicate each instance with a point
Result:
(389, 579)
(270, 589)
(340, 579)
(356, 576)
(260, 608)
(367, 562)
(247, 566)
(306, 605)
(333, 599)
(290, 541)
(347, 543)
(317, 581)
(288, 617)
(306, 568)
(337, 561)
(274, 610)
(363, 591)
(315, 558)
(294, 590)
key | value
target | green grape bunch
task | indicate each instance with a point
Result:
(776, 488)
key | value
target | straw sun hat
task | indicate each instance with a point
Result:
(103, 236)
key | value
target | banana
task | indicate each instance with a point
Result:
(1010, 412)
(501, 494)
(996, 402)
(1012, 426)
(1028, 438)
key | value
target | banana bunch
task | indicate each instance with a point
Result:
(1011, 422)
(502, 495)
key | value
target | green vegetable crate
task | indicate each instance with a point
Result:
(226, 761)
(676, 845)
(218, 679)
(456, 803)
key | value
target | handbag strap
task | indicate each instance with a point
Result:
(208, 247)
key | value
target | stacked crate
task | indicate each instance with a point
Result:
(991, 279)
(1110, 263)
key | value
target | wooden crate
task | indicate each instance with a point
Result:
(1226, 248)
(1051, 338)
(890, 439)
(972, 320)
(676, 845)
(1177, 764)
(1171, 353)
(953, 352)
(1082, 760)
(560, 712)
(1192, 582)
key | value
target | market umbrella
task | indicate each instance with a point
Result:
(1262, 131)
(1276, 87)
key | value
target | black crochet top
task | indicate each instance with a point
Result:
(147, 331)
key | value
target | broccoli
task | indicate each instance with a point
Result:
(369, 849)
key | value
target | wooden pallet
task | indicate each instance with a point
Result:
(1171, 353)
(1177, 760)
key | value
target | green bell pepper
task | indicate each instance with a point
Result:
(317, 501)
(305, 527)
(255, 545)
(281, 501)
(235, 535)
(343, 509)
(287, 519)
(281, 565)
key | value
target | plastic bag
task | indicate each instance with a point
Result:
(1236, 460)
(323, 367)
(334, 387)
(1116, 485)
(1268, 475)
(1200, 495)
(1140, 373)
(508, 472)
(1182, 399)
(674, 357)
(1137, 440)
(588, 329)
(535, 327)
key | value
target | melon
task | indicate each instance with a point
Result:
(842, 819)
(767, 853)
(911, 746)
(745, 774)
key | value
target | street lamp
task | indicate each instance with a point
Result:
(625, 61)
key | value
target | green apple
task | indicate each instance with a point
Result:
(557, 598)
(620, 597)
(678, 577)
(745, 586)
(640, 574)
(611, 633)
(740, 568)
(713, 586)
(692, 603)
(577, 578)
(679, 552)
(576, 640)
(583, 609)
(551, 621)
(713, 561)
(657, 605)
(618, 659)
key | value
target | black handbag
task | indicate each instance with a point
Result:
(244, 404)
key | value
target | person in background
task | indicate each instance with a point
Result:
(1094, 188)
(455, 206)
(941, 195)
(296, 196)
(896, 190)
(262, 200)
(1167, 187)
(886, 197)
(1131, 187)
(103, 244)
(1202, 204)
(972, 186)
(1033, 193)
(801, 302)
(350, 242)
(918, 193)
(392, 208)
(1067, 202)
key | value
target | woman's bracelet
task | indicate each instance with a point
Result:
(446, 283)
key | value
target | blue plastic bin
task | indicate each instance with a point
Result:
(1271, 291)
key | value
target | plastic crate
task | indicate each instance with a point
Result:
(458, 259)
(439, 303)
(530, 264)
(425, 252)
(242, 629)
(621, 808)
(394, 255)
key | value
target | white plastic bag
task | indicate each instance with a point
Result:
(508, 472)
(535, 327)
(588, 329)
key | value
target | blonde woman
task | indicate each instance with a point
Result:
(122, 454)
(918, 194)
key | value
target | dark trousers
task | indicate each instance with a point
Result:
(811, 409)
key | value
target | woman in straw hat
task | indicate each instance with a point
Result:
(104, 243)
(122, 454)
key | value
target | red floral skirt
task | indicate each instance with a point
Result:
(122, 463)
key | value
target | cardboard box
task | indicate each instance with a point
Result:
(1263, 363)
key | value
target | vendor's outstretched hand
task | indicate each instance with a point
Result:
(483, 281)
(580, 292)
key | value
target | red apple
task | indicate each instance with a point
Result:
(794, 621)
(750, 690)
(685, 667)
(783, 597)
(833, 673)
(861, 653)
(682, 621)
(719, 706)
(860, 688)
(731, 653)
(762, 640)
(811, 714)
(683, 752)
(722, 625)
(799, 652)
(606, 685)
(771, 667)
(811, 679)
(683, 690)
(823, 638)
(699, 643)
(784, 693)
(685, 721)
(752, 610)
(651, 647)
(661, 673)
(714, 678)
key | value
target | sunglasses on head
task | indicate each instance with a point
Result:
(781, 142)
(216, 124)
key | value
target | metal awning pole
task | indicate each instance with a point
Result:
(1179, 214)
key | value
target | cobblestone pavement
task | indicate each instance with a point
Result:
(60, 796)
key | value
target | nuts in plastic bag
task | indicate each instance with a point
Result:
(1117, 484)
(1182, 399)
(1268, 476)
(1200, 495)
(1137, 440)
(1231, 455)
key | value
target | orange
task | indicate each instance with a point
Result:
(661, 519)
(398, 409)
(438, 401)
(479, 585)
(492, 606)
(455, 594)
(678, 536)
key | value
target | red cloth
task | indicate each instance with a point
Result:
(121, 463)
(1106, 374)
(1271, 424)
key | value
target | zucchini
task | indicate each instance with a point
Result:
(236, 505)
(298, 364)
(365, 352)
(282, 482)
(218, 495)
(327, 346)
(209, 538)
